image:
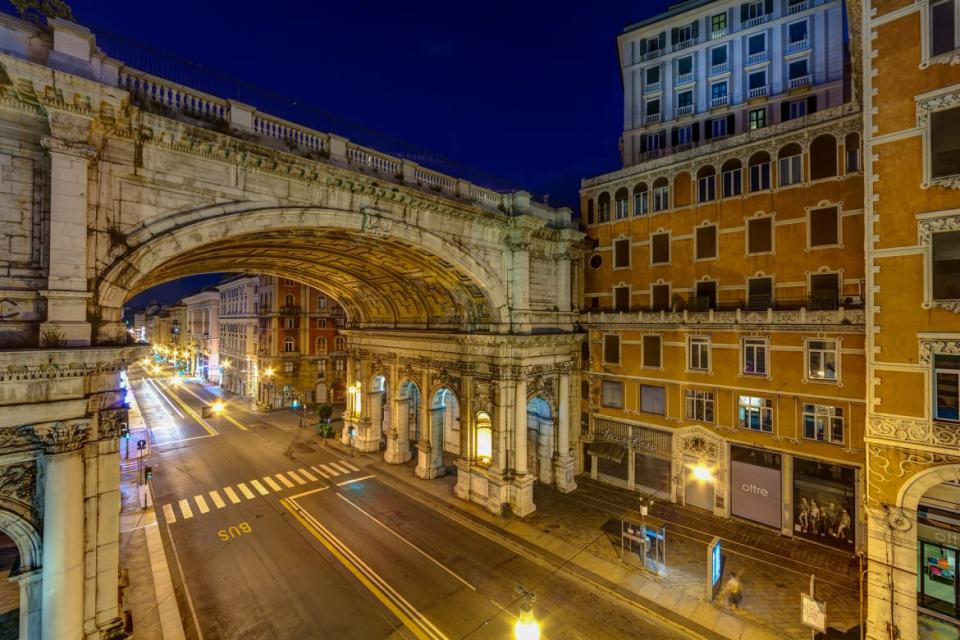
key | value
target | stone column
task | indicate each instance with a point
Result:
(30, 603)
(62, 611)
(66, 293)
(564, 466)
(468, 440)
(520, 282)
(520, 427)
(425, 463)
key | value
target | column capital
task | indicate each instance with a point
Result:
(63, 437)
(68, 147)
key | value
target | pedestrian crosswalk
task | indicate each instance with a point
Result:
(187, 508)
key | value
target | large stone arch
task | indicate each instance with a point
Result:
(30, 547)
(417, 277)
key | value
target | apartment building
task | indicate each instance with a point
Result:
(299, 344)
(912, 127)
(724, 294)
(203, 334)
(238, 335)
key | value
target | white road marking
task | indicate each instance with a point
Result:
(349, 466)
(186, 510)
(168, 514)
(245, 490)
(340, 484)
(337, 466)
(330, 470)
(307, 493)
(270, 482)
(296, 478)
(309, 476)
(282, 478)
(217, 500)
(234, 498)
(320, 471)
(259, 487)
(201, 504)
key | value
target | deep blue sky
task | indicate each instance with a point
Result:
(526, 89)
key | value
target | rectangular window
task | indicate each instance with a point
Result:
(945, 143)
(755, 356)
(760, 235)
(653, 399)
(641, 203)
(758, 118)
(822, 359)
(790, 170)
(824, 227)
(289, 323)
(699, 350)
(822, 422)
(759, 177)
(706, 242)
(653, 141)
(732, 182)
(797, 32)
(759, 293)
(757, 80)
(707, 188)
(756, 44)
(651, 351)
(653, 75)
(685, 134)
(705, 296)
(661, 198)
(718, 128)
(611, 348)
(947, 387)
(946, 265)
(621, 298)
(943, 27)
(660, 293)
(798, 69)
(796, 109)
(718, 56)
(653, 107)
(660, 248)
(718, 23)
(756, 414)
(685, 99)
(621, 253)
(699, 405)
(684, 66)
(612, 394)
(753, 10)
(718, 90)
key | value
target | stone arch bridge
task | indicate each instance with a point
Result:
(114, 180)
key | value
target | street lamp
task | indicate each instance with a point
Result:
(526, 626)
(218, 407)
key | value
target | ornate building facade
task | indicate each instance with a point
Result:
(238, 335)
(203, 334)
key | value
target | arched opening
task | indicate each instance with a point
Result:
(823, 157)
(621, 198)
(9, 589)
(731, 174)
(641, 200)
(706, 184)
(408, 414)
(603, 207)
(484, 438)
(321, 394)
(759, 166)
(379, 395)
(851, 149)
(661, 194)
(682, 189)
(540, 439)
(445, 412)
(790, 165)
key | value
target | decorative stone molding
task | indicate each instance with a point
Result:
(19, 481)
(68, 147)
(889, 466)
(929, 348)
(109, 423)
(700, 444)
(63, 437)
(543, 386)
(21, 437)
(920, 432)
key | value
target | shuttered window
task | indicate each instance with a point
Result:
(611, 348)
(653, 399)
(651, 351)
(760, 235)
(621, 298)
(621, 253)
(612, 394)
(706, 238)
(824, 227)
(660, 248)
(661, 297)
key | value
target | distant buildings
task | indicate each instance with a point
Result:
(238, 335)
(203, 334)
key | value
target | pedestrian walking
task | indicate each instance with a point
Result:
(734, 591)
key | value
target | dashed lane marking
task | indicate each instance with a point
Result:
(201, 504)
(245, 490)
(337, 466)
(217, 500)
(185, 509)
(272, 483)
(309, 476)
(168, 513)
(330, 471)
(320, 471)
(349, 466)
(234, 498)
(282, 478)
(296, 478)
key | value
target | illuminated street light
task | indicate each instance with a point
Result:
(268, 372)
(218, 407)
(703, 473)
(526, 626)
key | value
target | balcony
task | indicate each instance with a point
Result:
(653, 87)
(797, 7)
(759, 92)
(684, 110)
(651, 118)
(715, 35)
(290, 310)
(719, 68)
(722, 101)
(802, 81)
(686, 44)
(651, 55)
(685, 78)
(263, 309)
(755, 58)
(799, 45)
(755, 22)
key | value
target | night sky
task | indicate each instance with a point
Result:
(526, 90)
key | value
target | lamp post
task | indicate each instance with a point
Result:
(526, 626)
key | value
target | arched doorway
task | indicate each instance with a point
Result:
(408, 413)
(320, 393)
(339, 392)
(379, 409)
(445, 414)
(938, 560)
(540, 439)
(9, 589)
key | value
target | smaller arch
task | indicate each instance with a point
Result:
(603, 207)
(289, 345)
(788, 150)
(321, 344)
(641, 199)
(339, 343)
(789, 165)
(706, 184)
(851, 150)
(682, 189)
(731, 173)
(823, 157)
(288, 300)
(620, 199)
(706, 171)
(759, 171)
(484, 438)
(661, 194)
(541, 439)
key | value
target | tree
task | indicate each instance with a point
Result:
(39, 10)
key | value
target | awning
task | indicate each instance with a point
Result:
(611, 451)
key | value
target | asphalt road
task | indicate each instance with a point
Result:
(270, 537)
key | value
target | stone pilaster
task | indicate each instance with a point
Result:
(564, 466)
(521, 488)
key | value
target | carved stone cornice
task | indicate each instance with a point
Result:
(911, 431)
(926, 107)
(929, 348)
(950, 58)
(109, 423)
(63, 437)
(68, 147)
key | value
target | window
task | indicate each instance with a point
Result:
(611, 348)
(653, 399)
(851, 147)
(653, 141)
(684, 67)
(824, 291)
(651, 352)
(798, 69)
(653, 107)
(289, 323)
(759, 293)
(699, 350)
(339, 343)
(943, 27)
(641, 200)
(603, 204)
(824, 227)
(660, 294)
(822, 422)
(758, 118)
(706, 185)
(718, 91)
(653, 75)
(612, 394)
(289, 345)
(699, 405)
(732, 178)
(822, 360)
(947, 381)
(757, 80)
(945, 143)
(946, 265)
(321, 368)
(790, 167)
(705, 296)
(760, 235)
(757, 44)
(759, 172)
(322, 302)
(621, 298)
(706, 242)
(660, 248)
(620, 202)
(718, 127)
(797, 32)
(755, 356)
(718, 23)
(656, 43)
(685, 134)
(321, 345)
(756, 414)
(684, 33)
(796, 109)
(684, 99)
(718, 56)
(751, 10)
(321, 323)
(661, 195)
(621, 253)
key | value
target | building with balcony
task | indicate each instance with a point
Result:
(709, 69)
(238, 335)
(912, 130)
(724, 292)
(203, 334)
(299, 343)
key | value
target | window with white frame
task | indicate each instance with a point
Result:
(705, 239)
(797, 32)
(653, 107)
(621, 253)
(756, 414)
(653, 399)
(755, 352)
(760, 235)
(753, 9)
(945, 143)
(946, 369)
(661, 196)
(796, 109)
(944, 26)
(684, 99)
(698, 348)
(611, 348)
(756, 80)
(945, 270)
(718, 57)
(718, 90)
(798, 69)
(822, 360)
(684, 67)
(685, 134)
(718, 127)
(759, 293)
(289, 345)
(707, 187)
(621, 298)
(321, 344)
(612, 394)
(759, 176)
(790, 170)
(823, 422)
(641, 201)
(620, 203)
(660, 248)
(651, 351)
(289, 323)
(653, 75)
(718, 23)
(757, 118)
(699, 405)
(732, 182)
(757, 44)
(660, 297)
(824, 227)
(321, 323)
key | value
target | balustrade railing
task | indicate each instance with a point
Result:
(291, 133)
(802, 81)
(435, 181)
(151, 91)
(799, 45)
(758, 92)
(377, 161)
(684, 110)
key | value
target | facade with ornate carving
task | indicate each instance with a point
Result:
(724, 297)
(912, 125)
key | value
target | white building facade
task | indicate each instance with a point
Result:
(203, 334)
(238, 335)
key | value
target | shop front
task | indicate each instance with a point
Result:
(825, 503)
(938, 543)
(756, 485)
(632, 456)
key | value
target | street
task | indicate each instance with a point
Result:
(267, 536)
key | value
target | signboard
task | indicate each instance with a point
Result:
(813, 613)
(755, 493)
(715, 563)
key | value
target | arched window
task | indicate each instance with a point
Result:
(322, 344)
(620, 199)
(661, 194)
(759, 165)
(790, 165)
(732, 175)
(682, 189)
(484, 437)
(603, 207)
(823, 157)
(340, 343)
(288, 300)
(706, 184)
(590, 219)
(321, 303)
(289, 345)
(641, 200)
(851, 149)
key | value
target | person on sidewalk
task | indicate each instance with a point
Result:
(734, 591)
